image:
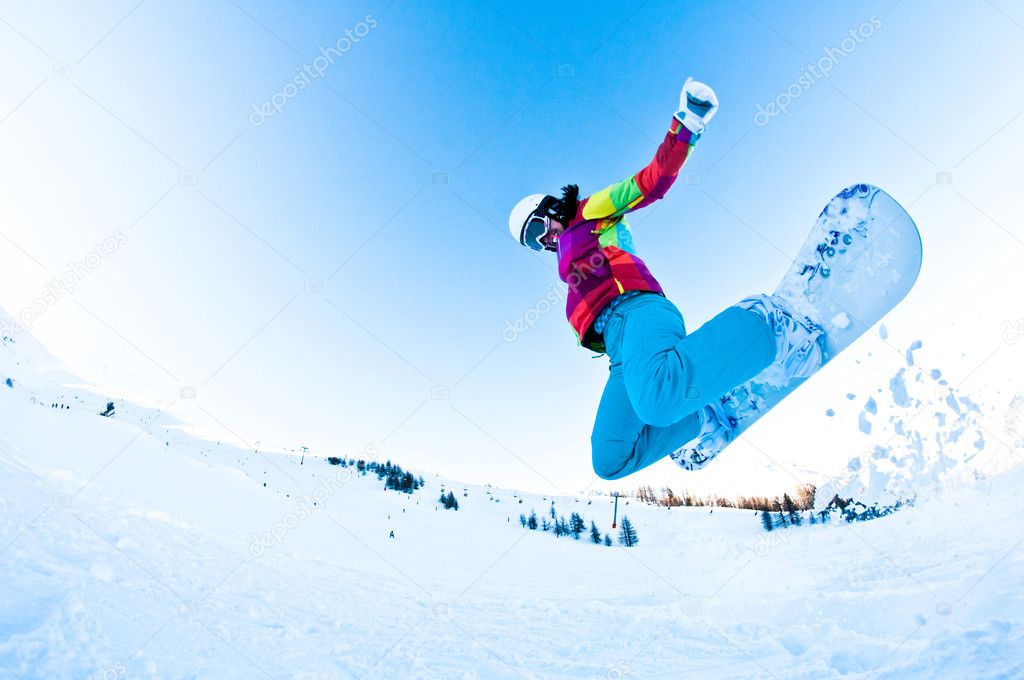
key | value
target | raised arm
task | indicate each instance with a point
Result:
(697, 105)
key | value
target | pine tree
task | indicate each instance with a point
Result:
(545, 525)
(780, 518)
(576, 525)
(670, 499)
(449, 501)
(607, 539)
(522, 519)
(766, 520)
(627, 534)
(532, 521)
(789, 506)
(805, 496)
(595, 535)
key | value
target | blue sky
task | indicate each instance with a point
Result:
(339, 275)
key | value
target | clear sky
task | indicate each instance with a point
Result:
(328, 265)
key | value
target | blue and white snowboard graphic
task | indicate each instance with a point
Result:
(862, 257)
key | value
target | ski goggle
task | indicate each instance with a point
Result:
(535, 229)
(538, 224)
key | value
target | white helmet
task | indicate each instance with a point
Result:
(540, 205)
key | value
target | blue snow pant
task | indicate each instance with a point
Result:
(660, 377)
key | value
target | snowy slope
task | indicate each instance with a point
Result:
(131, 549)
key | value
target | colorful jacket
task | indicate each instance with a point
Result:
(595, 252)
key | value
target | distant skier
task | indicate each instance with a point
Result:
(663, 385)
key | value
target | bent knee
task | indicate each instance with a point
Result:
(608, 464)
(607, 473)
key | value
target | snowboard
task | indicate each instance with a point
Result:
(862, 257)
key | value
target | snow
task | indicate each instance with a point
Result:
(863, 423)
(916, 345)
(898, 388)
(130, 548)
(841, 320)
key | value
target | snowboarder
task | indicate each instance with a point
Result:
(663, 384)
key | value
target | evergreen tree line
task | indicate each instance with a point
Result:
(855, 511)
(393, 475)
(667, 498)
(576, 526)
(785, 515)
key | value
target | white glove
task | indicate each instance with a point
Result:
(697, 105)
